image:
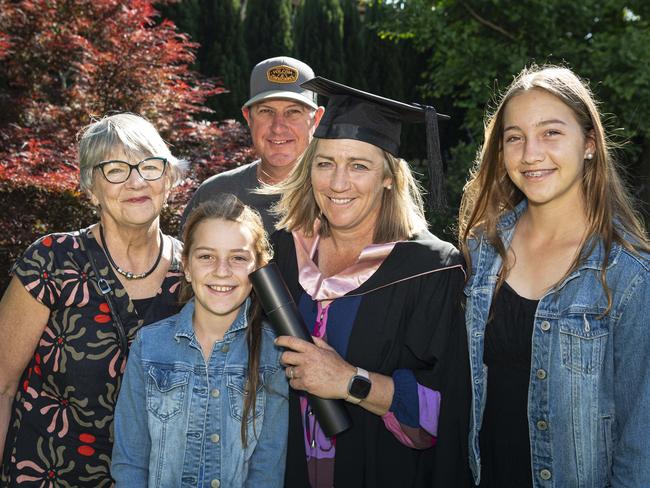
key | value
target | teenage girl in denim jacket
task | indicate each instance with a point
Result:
(204, 399)
(558, 299)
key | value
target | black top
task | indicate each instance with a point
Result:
(408, 318)
(142, 305)
(504, 440)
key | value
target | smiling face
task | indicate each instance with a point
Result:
(544, 148)
(221, 257)
(133, 203)
(281, 130)
(348, 180)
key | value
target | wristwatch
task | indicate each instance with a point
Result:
(359, 387)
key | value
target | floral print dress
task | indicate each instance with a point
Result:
(61, 428)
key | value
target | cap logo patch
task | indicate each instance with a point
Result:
(282, 74)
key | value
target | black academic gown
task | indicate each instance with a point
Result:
(409, 317)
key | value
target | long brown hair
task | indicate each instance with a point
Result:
(229, 208)
(489, 193)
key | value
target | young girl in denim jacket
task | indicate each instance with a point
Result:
(204, 398)
(558, 299)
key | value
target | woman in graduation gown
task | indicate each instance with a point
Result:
(380, 295)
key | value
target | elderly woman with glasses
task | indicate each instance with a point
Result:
(75, 302)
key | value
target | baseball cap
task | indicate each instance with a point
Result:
(355, 114)
(280, 78)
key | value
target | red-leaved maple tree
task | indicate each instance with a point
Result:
(66, 61)
(63, 63)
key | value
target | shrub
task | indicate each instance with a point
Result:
(65, 62)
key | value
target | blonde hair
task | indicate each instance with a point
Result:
(229, 208)
(128, 133)
(402, 211)
(489, 193)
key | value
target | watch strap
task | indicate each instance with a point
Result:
(360, 373)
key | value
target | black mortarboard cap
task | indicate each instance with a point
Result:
(362, 116)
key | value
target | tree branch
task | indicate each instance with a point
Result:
(487, 22)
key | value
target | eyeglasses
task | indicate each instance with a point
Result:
(117, 171)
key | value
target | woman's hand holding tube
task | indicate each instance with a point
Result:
(316, 368)
(319, 370)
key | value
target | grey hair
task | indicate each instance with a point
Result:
(125, 133)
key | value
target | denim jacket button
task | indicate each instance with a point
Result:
(545, 474)
(214, 438)
(225, 348)
(542, 425)
(541, 374)
(215, 484)
(215, 393)
(545, 326)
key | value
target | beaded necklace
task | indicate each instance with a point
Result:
(128, 274)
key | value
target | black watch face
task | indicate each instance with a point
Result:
(360, 387)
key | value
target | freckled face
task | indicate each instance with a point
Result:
(348, 180)
(135, 202)
(544, 148)
(281, 129)
(219, 262)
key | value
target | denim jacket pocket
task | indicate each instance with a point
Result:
(236, 381)
(166, 391)
(583, 339)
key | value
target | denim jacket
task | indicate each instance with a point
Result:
(589, 388)
(178, 419)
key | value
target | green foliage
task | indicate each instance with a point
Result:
(217, 26)
(391, 67)
(268, 29)
(354, 54)
(319, 37)
(225, 55)
(469, 48)
(187, 16)
(383, 66)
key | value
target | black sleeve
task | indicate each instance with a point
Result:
(452, 377)
(452, 456)
(437, 336)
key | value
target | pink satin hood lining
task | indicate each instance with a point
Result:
(320, 288)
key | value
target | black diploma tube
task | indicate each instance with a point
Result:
(281, 310)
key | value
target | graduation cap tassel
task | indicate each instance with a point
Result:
(437, 196)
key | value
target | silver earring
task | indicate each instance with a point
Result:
(589, 156)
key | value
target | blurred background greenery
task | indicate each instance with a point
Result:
(185, 65)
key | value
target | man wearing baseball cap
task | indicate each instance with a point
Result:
(282, 118)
